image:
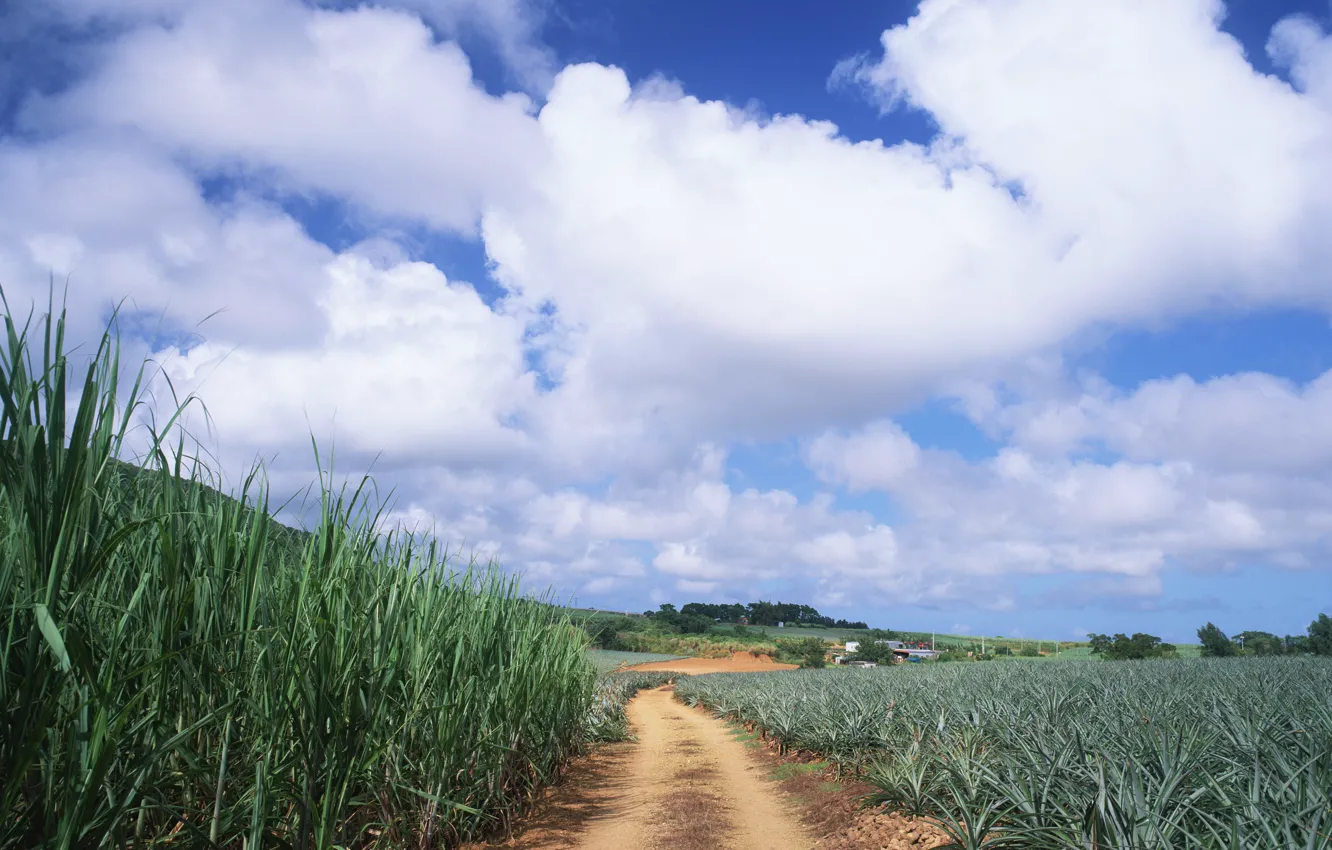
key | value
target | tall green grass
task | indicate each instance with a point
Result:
(179, 669)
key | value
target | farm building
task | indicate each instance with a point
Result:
(904, 652)
(901, 651)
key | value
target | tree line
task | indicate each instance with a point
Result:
(761, 614)
(1317, 641)
(700, 618)
(1122, 647)
(1215, 643)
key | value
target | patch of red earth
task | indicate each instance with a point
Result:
(739, 662)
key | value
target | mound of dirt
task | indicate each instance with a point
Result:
(741, 655)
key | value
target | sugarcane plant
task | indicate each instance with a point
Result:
(179, 668)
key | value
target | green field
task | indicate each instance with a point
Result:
(1201, 753)
(606, 660)
(181, 670)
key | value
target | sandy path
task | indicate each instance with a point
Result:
(687, 784)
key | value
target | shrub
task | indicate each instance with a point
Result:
(807, 652)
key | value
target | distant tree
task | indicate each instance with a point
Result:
(767, 614)
(849, 624)
(1215, 644)
(670, 619)
(604, 631)
(1320, 636)
(814, 653)
(1260, 643)
(762, 613)
(726, 613)
(869, 650)
(1124, 648)
(1030, 651)
(881, 634)
(692, 625)
(806, 652)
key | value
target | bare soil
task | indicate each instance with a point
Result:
(739, 662)
(693, 782)
(687, 783)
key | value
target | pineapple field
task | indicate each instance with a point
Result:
(1233, 753)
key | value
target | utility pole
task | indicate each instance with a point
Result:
(931, 641)
(982, 644)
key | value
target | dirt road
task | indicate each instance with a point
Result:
(686, 784)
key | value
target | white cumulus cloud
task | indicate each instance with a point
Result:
(680, 275)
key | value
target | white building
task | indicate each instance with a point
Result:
(901, 650)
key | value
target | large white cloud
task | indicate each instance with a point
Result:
(746, 272)
(362, 104)
(1137, 128)
(714, 274)
(512, 27)
(121, 222)
(1245, 423)
(1233, 471)
(689, 274)
(411, 365)
(687, 532)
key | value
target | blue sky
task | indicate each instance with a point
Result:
(1035, 342)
